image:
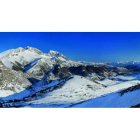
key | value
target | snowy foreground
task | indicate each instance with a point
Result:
(82, 93)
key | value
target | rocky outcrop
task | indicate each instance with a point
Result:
(61, 72)
(12, 80)
(86, 71)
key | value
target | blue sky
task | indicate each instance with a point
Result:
(79, 46)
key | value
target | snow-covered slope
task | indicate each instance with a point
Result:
(127, 94)
(113, 100)
(75, 90)
(80, 89)
(6, 53)
(11, 82)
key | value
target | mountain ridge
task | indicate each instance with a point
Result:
(33, 69)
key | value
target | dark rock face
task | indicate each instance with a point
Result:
(81, 70)
(87, 70)
(99, 70)
(17, 66)
(61, 72)
(103, 71)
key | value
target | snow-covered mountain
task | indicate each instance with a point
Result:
(28, 74)
(123, 64)
(35, 63)
(31, 60)
(131, 65)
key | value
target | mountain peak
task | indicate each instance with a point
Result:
(52, 54)
(32, 49)
(20, 49)
(52, 51)
(29, 48)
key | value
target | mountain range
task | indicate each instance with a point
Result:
(29, 76)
